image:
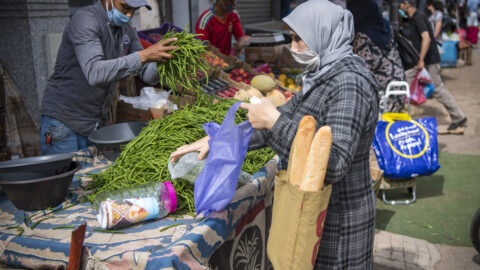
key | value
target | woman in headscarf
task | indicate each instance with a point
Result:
(340, 92)
(375, 43)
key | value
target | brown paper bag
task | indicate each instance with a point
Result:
(297, 224)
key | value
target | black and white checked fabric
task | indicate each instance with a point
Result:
(345, 99)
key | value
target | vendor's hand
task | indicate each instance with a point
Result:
(262, 115)
(199, 146)
(158, 52)
(241, 42)
(420, 64)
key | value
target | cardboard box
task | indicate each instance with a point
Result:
(126, 112)
(260, 55)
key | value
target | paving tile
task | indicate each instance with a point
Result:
(389, 264)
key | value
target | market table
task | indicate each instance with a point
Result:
(231, 239)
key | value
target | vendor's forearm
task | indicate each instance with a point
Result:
(149, 73)
(99, 71)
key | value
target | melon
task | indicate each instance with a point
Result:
(254, 92)
(277, 98)
(242, 95)
(264, 83)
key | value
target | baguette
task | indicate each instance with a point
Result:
(317, 160)
(299, 149)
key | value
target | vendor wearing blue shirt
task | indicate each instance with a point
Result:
(99, 47)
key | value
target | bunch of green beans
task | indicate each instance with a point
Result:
(145, 158)
(189, 58)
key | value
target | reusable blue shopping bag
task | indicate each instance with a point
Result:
(215, 185)
(406, 148)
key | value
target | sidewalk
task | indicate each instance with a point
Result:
(394, 251)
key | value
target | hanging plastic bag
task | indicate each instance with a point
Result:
(407, 149)
(215, 186)
(417, 96)
(424, 77)
(428, 89)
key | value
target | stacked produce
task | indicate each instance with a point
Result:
(264, 85)
(215, 61)
(145, 159)
(211, 87)
(240, 75)
(189, 58)
(289, 83)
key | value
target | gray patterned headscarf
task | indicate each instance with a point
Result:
(327, 30)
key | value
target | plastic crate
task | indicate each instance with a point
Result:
(449, 55)
(155, 34)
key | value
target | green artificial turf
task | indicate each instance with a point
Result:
(446, 203)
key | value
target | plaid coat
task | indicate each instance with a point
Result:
(345, 98)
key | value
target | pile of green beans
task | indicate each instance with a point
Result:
(145, 159)
(189, 57)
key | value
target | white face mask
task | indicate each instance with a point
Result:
(308, 59)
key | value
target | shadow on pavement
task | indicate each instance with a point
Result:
(426, 186)
(476, 259)
(383, 218)
(441, 147)
(430, 186)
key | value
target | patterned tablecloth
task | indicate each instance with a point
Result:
(232, 239)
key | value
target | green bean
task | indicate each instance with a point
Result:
(109, 231)
(64, 227)
(19, 229)
(145, 158)
(171, 226)
(188, 58)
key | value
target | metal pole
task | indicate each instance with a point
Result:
(190, 16)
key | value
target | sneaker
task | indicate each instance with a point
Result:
(454, 126)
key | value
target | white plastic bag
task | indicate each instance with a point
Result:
(424, 77)
(149, 98)
(188, 167)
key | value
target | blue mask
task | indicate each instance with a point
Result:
(117, 17)
(402, 13)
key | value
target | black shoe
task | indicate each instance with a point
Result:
(454, 126)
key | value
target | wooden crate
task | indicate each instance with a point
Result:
(126, 112)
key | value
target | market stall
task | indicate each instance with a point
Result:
(227, 239)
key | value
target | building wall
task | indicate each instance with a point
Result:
(181, 12)
(25, 24)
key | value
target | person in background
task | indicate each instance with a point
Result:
(471, 10)
(375, 43)
(99, 47)
(463, 42)
(435, 8)
(340, 92)
(217, 25)
(421, 36)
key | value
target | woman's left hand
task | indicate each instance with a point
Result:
(262, 115)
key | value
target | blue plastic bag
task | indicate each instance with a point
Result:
(215, 185)
(428, 89)
(407, 149)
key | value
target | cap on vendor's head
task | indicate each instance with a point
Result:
(410, 2)
(138, 3)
